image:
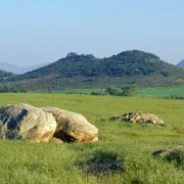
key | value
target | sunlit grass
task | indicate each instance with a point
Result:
(132, 145)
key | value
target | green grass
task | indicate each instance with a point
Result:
(29, 163)
(162, 92)
(152, 92)
(72, 91)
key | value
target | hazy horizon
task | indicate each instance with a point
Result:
(34, 32)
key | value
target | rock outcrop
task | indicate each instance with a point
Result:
(46, 124)
(72, 127)
(139, 117)
(25, 122)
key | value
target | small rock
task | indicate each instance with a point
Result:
(54, 140)
(139, 117)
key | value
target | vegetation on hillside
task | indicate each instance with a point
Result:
(128, 63)
(4, 75)
(87, 71)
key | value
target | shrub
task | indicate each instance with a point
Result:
(129, 90)
(97, 93)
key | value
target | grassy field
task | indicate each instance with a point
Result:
(162, 92)
(152, 92)
(45, 163)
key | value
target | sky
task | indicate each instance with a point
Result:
(42, 31)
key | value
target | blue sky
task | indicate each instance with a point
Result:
(42, 31)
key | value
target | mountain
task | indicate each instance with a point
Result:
(9, 67)
(87, 71)
(181, 64)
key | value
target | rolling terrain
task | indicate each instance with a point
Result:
(87, 71)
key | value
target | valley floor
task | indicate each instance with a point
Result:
(132, 145)
(149, 92)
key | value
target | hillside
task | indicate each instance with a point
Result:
(4, 75)
(78, 71)
(181, 64)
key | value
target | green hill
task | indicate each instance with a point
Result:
(4, 75)
(87, 71)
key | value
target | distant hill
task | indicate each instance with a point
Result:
(9, 67)
(4, 75)
(87, 71)
(181, 64)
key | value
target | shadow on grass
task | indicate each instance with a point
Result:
(137, 181)
(102, 162)
(173, 157)
(177, 158)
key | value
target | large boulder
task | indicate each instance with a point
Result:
(139, 117)
(72, 127)
(25, 122)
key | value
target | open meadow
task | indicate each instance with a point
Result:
(151, 92)
(132, 145)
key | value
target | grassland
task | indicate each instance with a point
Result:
(45, 163)
(162, 92)
(151, 92)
